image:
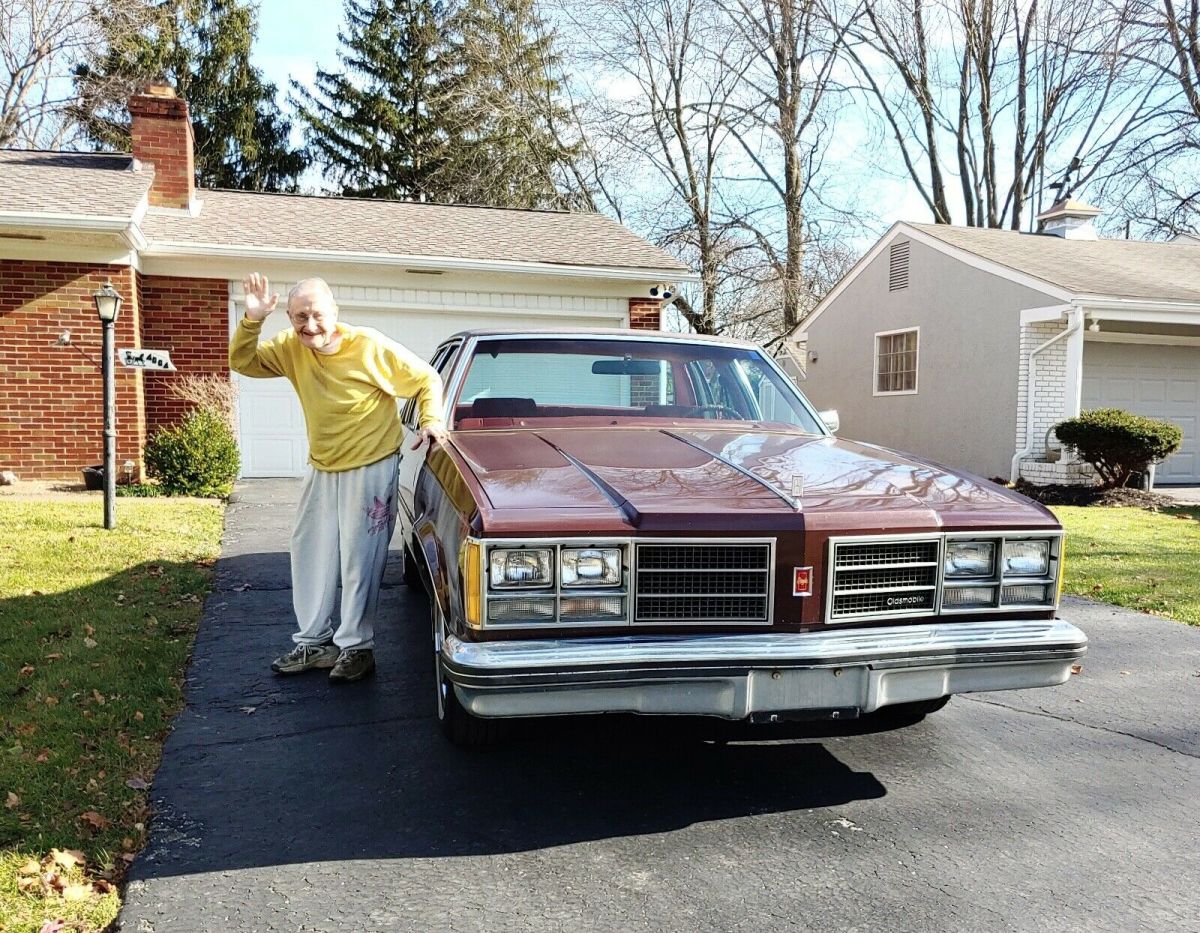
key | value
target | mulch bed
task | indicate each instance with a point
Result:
(1094, 495)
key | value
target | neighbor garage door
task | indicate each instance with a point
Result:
(271, 425)
(1159, 381)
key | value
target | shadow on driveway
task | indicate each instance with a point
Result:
(263, 770)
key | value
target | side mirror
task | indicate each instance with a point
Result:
(829, 418)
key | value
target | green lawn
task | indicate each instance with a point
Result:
(1149, 561)
(95, 630)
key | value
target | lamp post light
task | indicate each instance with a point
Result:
(108, 306)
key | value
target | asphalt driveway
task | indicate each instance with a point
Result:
(292, 805)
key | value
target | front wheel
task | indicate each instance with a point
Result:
(459, 726)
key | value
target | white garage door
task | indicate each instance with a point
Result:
(1159, 381)
(271, 425)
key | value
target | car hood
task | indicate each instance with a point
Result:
(660, 476)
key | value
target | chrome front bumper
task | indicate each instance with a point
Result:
(842, 672)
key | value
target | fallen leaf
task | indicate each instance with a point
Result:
(138, 715)
(1076, 668)
(43, 756)
(12, 801)
(32, 867)
(90, 643)
(248, 709)
(27, 728)
(126, 856)
(28, 885)
(241, 587)
(67, 858)
(137, 783)
(98, 696)
(52, 657)
(89, 629)
(77, 892)
(52, 701)
(1124, 673)
(103, 886)
(26, 670)
(94, 819)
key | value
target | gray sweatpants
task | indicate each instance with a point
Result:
(343, 527)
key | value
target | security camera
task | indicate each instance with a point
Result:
(660, 291)
(653, 291)
(64, 339)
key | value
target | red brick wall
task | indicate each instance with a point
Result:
(645, 313)
(162, 135)
(52, 418)
(190, 318)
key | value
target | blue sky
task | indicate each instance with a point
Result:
(294, 36)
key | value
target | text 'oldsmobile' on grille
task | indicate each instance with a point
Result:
(653, 523)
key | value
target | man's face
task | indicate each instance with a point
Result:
(314, 316)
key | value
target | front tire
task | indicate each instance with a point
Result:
(457, 725)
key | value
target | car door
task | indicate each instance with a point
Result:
(411, 460)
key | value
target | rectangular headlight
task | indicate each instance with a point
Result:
(1026, 558)
(970, 558)
(591, 566)
(515, 568)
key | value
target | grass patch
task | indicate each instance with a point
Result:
(1134, 558)
(95, 630)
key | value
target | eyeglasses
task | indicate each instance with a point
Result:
(302, 319)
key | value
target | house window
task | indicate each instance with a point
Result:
(896, 362)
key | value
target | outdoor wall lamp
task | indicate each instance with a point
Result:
(108, 306)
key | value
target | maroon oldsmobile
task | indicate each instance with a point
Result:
(656, 523)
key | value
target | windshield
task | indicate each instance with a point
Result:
(571, 378)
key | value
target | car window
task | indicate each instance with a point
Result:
(564, 377)
(570, 379)
(442, 357)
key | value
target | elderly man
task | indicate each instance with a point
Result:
(348, 380)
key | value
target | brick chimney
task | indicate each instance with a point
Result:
(162, 137)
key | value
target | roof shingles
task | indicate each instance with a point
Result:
(101, 185)
(404, 228)
(1103, 268)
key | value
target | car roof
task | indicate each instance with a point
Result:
(615, 332)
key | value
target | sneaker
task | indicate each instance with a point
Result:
(353, 664)
(305, 658)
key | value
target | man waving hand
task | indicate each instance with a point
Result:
(348, 380)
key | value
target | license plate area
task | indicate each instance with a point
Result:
(816, 688)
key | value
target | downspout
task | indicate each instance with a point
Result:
(1074, 326)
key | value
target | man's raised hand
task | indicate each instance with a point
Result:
(259, 300)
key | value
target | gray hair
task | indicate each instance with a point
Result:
(313, 284)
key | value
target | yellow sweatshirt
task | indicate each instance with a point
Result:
(348, 397)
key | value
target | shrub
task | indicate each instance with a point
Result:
(1118, 443)
(216, 392)
(197, 457)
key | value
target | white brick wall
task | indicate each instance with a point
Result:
(1057, 474)
(1049, 381)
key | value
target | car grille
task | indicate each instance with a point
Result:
(884, 578)
(702, 583)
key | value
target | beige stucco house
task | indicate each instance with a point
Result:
(968, 345)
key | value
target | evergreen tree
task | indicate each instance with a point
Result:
(371, 126)
(201, 47)
(501, 110)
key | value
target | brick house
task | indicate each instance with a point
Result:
(177, 254)
(968, 345)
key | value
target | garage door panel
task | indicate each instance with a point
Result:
(1157, 381)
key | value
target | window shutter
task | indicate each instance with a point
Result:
(898, 265)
